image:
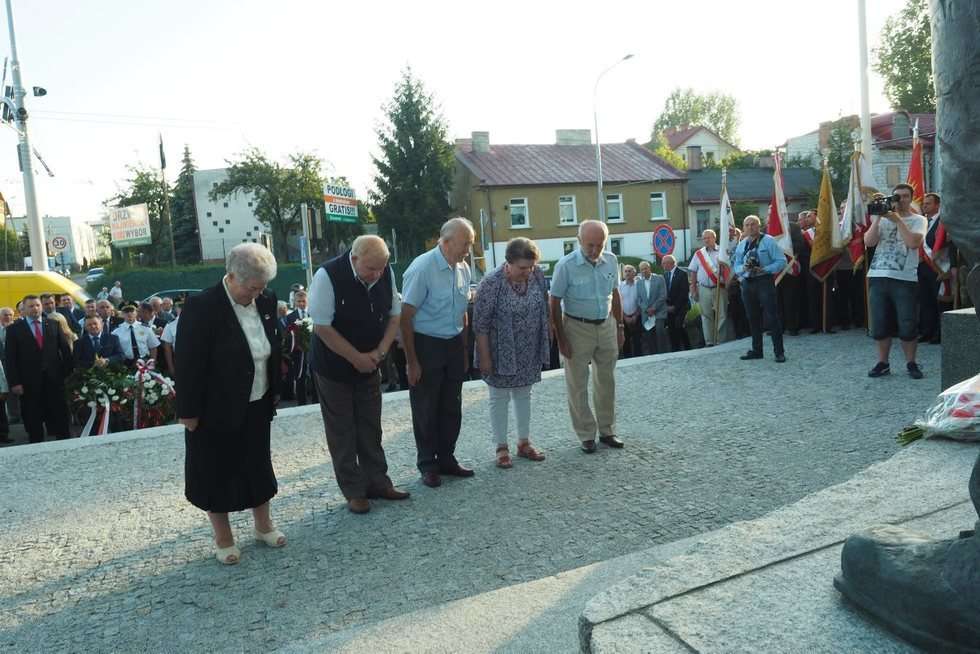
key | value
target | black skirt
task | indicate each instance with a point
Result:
(231, 471)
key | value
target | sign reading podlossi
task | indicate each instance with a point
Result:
(341, 203)
(130, 226)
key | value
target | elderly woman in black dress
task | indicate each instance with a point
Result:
(510, 320)
(227, 387)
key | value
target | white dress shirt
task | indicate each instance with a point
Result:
(627, 292)
(145, 340)
(258, 343)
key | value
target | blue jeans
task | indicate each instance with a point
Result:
(894, 308)
(759, 298)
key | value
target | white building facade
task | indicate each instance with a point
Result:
(224, 223)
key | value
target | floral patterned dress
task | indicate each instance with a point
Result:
(516, 322)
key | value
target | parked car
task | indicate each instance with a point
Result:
(94, 274)
(15, 285)
(176, 294)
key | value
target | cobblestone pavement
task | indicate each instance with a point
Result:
(100, 552)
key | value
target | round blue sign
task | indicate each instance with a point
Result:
(663, 240)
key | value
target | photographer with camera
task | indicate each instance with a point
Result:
(758, 258)
(896, 234)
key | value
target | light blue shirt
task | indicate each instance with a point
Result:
(323, 305)
(439, 292)
(771, 257)
(585, 289)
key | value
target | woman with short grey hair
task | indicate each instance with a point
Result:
(510, 320)
(227, 376)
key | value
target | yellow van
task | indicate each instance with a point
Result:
(15, 285)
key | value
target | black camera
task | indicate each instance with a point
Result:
(881, 205)
(752, 260)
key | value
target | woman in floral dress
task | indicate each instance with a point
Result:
(510, 320)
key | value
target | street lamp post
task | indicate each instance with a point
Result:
(39, 250)
(598, 149)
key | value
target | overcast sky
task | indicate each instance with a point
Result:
(291, 75)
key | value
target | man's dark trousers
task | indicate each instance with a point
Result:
(352, 421)
(437, 401)
(45, 406)
(790, 290)
(759, 298)
(928, 301)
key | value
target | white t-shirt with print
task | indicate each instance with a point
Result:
(892, 257)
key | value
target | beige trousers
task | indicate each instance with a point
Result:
(706, 298)
(593, 345)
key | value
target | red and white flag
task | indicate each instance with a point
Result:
(725, 224)
(777, 223)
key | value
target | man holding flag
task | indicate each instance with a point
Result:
(896, 237)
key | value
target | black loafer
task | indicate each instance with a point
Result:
(748, 356)
(612, 441)
(780, 358)
(589, 447)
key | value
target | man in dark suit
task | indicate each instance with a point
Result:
(95, 348)
(72, 314)
(791, 286)
(107, 312)
(38, 358)
(678, 303)
(299, 365)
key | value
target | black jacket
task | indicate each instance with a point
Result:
(214, 365)
(109, 348)
(27, 365)
(678, 292)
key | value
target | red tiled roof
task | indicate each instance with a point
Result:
(881, 129)
(677, 136)
(527, 165)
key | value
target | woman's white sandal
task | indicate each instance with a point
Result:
(225, 554)
(271, 538)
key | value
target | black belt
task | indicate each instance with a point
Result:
(586, 320)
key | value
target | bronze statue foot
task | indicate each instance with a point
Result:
(926, 591)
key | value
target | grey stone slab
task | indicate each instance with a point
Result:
(961, 346)
(789, 606)
(635, 634)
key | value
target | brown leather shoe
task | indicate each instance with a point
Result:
(431, 479)
(390, 493)
(358, 505)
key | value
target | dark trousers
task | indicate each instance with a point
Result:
(633, 344)
(790, 291)
(45, 406)
(4, 420)
(849, 298)
(928, 301)
(352, 421)
(677, 331)
(298, 378)
(437, 402)
(759, 298)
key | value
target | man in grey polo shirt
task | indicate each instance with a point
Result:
(587, 314)
(436, 290)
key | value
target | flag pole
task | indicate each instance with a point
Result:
(863, 66)
(717, 299)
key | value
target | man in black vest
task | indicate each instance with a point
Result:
(355, 309)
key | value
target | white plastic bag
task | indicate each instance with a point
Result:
(955, 414)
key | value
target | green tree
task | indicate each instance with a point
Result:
(184, 214)
(277, 191)
(12, 250)
(840, 148)
(716, 111)
(662, 149)
(414, 170)
(903, 58)
(145, 186)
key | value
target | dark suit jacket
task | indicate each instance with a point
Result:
(214, 365)
(677, 293)
(109, 348)
(27, 365)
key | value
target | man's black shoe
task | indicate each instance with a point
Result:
(748, 356)
(6, 440)
(431, 479)
(588, 447)
(914, 371)
(457, 471)
(612, 441)
(780, 358)
(880, 370)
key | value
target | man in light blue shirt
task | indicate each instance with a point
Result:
(757, 259)
(435, 295)
(587, 314)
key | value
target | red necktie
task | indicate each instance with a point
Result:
(37, 335)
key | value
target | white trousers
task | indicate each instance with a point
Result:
(499, 412)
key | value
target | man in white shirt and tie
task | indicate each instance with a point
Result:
(136, 339)
(631, 313)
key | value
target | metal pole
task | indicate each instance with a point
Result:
(305, 254)
(600, 199)
(865, 105)
(39, 250)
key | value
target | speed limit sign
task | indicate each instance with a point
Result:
(59, 243)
